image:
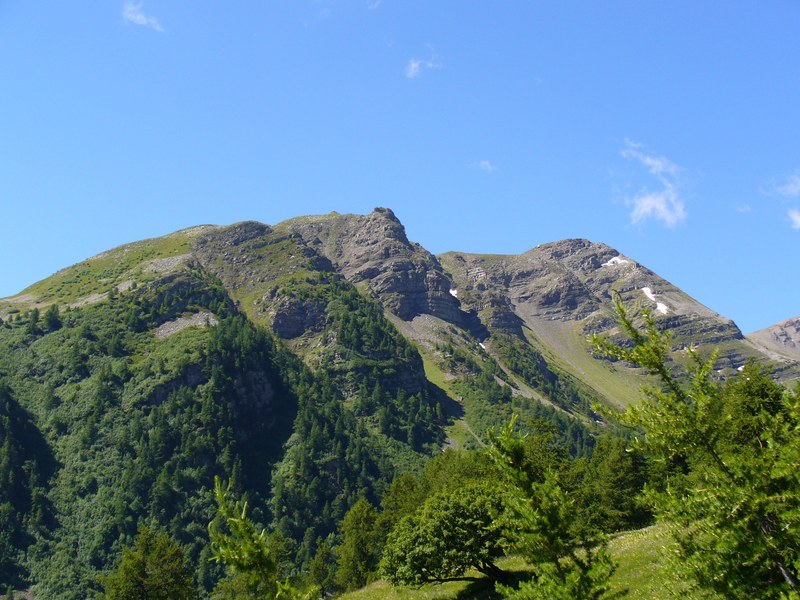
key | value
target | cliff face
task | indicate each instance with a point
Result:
(572, 281)
(373, 250)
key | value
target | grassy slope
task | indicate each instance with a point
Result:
(565, 347)
(139, 261)
(641, 571)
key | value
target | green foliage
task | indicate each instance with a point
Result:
(523, 360)
(733, 503)
(322, 571)
(52, 321)
(25, 464)
(154, 569)
(451, 533)
(138, 427)
(449, 471)
(357, 556)
(369, 355)
(488, 405)
(614, 478)
(546, 520)
(243, 549)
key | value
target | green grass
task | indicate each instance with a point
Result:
(643, 556)
(618, 384)
(463, 436)
(99, 274)
(640, 558)
(435, 375)
(641, 571)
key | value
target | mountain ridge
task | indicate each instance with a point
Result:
(307, 363)
(569, 281)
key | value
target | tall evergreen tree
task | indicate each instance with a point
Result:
(357, 554)
(154, 569)
(546, 522)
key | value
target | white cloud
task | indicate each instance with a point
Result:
(790, 189)
(794, 216)
(416, 66)
(485, 165)
(132, 12)
(373, 4)
(744, 208)
(664, 204)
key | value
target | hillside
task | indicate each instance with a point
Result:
(308, 363)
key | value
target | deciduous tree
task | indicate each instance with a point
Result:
(452, 532)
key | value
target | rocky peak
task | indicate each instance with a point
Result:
(572, 281)
(782, 338)
(375, 250)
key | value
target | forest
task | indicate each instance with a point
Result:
(215, 463)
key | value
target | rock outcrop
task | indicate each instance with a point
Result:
(373, 249)
(783, 338)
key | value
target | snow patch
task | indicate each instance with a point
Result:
(660, 306)
(617, 260)
(481, 345)
(454, 293)
(740, 369)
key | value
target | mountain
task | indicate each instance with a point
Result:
(782, 339)
(307, 363)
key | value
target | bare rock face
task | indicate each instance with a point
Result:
(573, 281)
(783, 338)
(560, 292)
(373, 249)
(261, 264)
(292, 317)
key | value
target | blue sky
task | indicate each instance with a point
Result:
(668, 130)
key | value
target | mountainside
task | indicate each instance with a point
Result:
(307, 363)
(782, 339)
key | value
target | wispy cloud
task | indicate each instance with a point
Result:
(132, 13)
(485, 165)
(744, 208)
(416, 66)
(373, 4)
(794, 217)
(664, 204)
(790, 188)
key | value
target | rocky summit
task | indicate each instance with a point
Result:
(782, 339)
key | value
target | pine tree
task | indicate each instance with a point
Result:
(52, 320)
(546, 521)
(154, 569)
(357, 557)
(241, 548)
(734, 507)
